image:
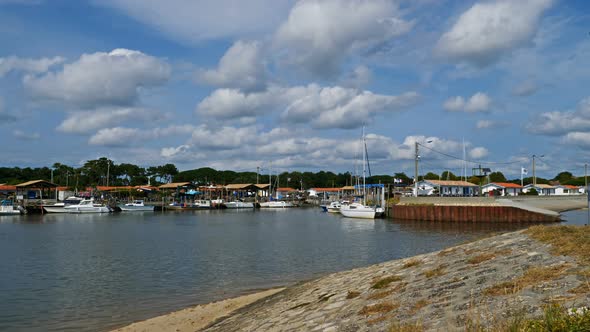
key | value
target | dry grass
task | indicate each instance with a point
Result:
(447, 252)
(571, 241)
(380, 295)
(352, 295)
(379, 308)
(419, 305)
(531, 277)
(487, 256)
(415, 327)
(436, 272)
(384, 282)
(412, 263)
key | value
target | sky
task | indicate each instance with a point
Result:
(288, 85)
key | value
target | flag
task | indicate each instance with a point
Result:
(523, 171)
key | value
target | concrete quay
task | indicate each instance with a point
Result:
(439, 291)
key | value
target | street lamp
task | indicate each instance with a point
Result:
(416, 158)
(534, 176)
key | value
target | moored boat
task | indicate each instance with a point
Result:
(276, 204)
(59, 207)
(136, 205)
(358, 210)
(87, 206)
(334, 207)
(7, 208)
(239, 205)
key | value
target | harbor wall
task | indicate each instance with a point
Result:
(467, 213)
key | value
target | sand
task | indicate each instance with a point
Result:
(198, 317)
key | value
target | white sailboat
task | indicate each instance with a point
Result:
(276, 203)
(87, 206)
(356, 209)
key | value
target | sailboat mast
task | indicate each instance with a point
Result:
(364, 167)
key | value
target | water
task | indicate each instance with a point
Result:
(96, 272)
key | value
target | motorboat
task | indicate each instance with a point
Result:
(239, 205)
(136, 205)
(202, 204)
(59, 206)
(334, 207)
(276, 204)
(358, 210)
(87, 206)
(7, 208)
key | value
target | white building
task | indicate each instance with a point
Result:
(542, 189)
(504, 189)
(565, 189)
(446, 188)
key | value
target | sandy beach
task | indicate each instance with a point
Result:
(197, 317)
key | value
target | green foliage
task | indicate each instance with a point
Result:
(532, 192)
(431, 176)
(563, 177)
(447, 175)
(497, 177)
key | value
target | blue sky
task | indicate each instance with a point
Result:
(289, 84)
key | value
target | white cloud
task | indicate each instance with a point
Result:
(358, 78)
(559, 123)
(324, 107)
(224, 138)
(37, 66)
(319, 34)
(191, 21)
(491, 124)
(478, 153)
(86, 122)
(479, 102)
(115, 137)
(490, 29)
(100, 79)
(241, 67)
(172, 152)
(581, 139)
(525, 88)
(21, 135)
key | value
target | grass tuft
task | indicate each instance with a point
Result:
(436, 272)
(384, 282)
(379, 308)
(352, 294)
(412, 263)
(532, 276)
(571, 241)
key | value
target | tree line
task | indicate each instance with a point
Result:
(103, 171)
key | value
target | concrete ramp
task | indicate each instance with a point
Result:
(527, 207)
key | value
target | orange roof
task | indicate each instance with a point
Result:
(327, 190)
(452, 183)
(7, 187)
(507, 184)
(286, 189)
(569, 186)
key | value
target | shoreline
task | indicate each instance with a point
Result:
(197, 317)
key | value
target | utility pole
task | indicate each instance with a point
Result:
(416, 156)
(586, 175)
(257, 172)
(108, 170)
(534, 176)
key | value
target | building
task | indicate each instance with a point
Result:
(566, 189)
(501, 189)
(542, 189)
(447, 188)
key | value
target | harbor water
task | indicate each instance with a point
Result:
(95, 272)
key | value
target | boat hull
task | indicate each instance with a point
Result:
(54, 209)
(136, 208)
(87, 209)
(239, 205)
(276, 204)
(358, 211)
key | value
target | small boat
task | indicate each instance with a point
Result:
(202, 204)
(334, 207)
(276, 204)
(59, 207)
(358, 210)
(239, 205)
(136, 205)
(7, 208)
(87, 206)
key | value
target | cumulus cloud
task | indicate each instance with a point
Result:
(325, 107)
(525, 88)
(86, 122)
(490, 124)
(488, 30)
(191, 21)
(241, 67)
(559, 123)
(37, 66)
(359, 77)
(580, 139)
(478, 153)
(319, 34)
(99, 79)
(122, 137)
(479, 102)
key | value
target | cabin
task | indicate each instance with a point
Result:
(566, 189)
(502, 189)
(447, 188)
(241, 190)
(542, 189)
(325, 193)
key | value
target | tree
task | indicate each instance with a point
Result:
(431, 176)
(497, 177)
(447, 175)
(564, 177)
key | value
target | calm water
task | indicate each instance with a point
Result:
(96, 272)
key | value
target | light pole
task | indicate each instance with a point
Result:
(534, 175)
(416, 158)
(52, 175)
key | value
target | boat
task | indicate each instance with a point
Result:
(202, 204)
(136, 205)
(239, 205)
(276, 204)
(59, 206)
(87, 206)
(333, 207)
(7, 208)
(358, 209)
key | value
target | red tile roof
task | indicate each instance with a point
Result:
(327, 190)
(507, 184)
(7, 187)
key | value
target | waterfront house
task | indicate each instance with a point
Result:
(241, 190)
(325, 193)
(285, 192)
(502, 188)
(566, 189)
(447, 188)
(542, 189)
(263, 190)
(7, 190)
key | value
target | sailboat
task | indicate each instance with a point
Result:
(274, 203)
(356, 209)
